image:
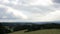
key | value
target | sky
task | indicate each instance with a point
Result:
(29, 10)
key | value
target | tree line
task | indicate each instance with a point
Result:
(27, 27)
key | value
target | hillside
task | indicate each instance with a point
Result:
(46, 31)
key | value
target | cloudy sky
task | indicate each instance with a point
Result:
(29, 10)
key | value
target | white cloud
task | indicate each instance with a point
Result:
(52, 16)
(5, 1)
(41, 2)
(32, 10)
(15, 12)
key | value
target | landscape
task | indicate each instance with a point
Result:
(29, 16)
(29, 28)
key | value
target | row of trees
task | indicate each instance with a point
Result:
(35, 27)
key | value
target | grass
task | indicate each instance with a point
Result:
(45, 31)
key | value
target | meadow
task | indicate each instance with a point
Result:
(44, 31)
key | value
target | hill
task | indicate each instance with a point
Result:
(45, 31)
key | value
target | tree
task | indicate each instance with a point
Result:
(2, 29)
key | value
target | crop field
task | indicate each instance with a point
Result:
(43, 31)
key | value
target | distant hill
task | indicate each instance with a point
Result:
(26, 23)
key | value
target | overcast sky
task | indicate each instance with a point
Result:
(29, 10)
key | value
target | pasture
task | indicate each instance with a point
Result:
(43, 31)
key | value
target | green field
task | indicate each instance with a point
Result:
(44, 31)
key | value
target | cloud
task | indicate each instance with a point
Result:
(56, 1)
(17, 13)
(41, 2)
(14, 12)
(51, 16)
(30, 10)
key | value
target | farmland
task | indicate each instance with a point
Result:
(45, 31)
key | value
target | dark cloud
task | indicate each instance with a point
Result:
(56, 1)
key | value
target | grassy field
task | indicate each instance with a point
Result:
(45, 31)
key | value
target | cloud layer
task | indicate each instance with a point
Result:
(29, 10)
